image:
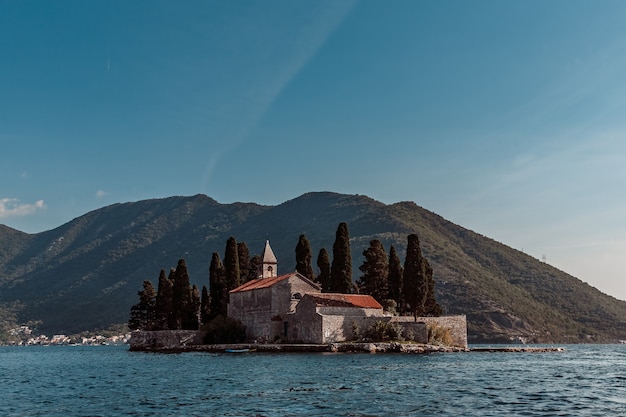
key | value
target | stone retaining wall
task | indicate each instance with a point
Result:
(456, 324)
(164, 339)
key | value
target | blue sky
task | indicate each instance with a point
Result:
(504, 117)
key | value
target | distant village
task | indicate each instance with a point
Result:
(23, 336)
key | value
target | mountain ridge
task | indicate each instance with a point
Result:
(85, 274)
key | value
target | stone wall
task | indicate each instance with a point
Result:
(457, 325)
(305, 325)
(254, 310)
(311, 324)
(341, 328)
(164, 339)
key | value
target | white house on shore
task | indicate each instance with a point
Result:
(291, 308)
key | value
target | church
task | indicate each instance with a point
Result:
(290, 308)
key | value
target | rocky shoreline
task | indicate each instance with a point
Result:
(392, 347)
(178, 341)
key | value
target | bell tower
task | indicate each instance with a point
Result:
(270, 264)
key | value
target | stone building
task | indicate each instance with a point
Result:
(263, 304)
(327, 318)
(291, 308)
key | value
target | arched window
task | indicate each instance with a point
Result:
(296, 296)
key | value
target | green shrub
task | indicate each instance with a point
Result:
(381, 331)
(390, 306)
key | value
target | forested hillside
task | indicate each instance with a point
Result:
(85, 275)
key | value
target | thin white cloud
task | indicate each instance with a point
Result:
(271, 70)
(12, 207)
(101, 193)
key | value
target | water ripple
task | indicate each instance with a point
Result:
(110, 381)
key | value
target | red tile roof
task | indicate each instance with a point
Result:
(344, 300)
(261, 283)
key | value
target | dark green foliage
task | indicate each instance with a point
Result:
(243, 253)
(381, 331)
(194, 313)
(375, 271)
(395, 276)
(184, 308)
(163, 301)
(414, 284)
(173, 313)
(390, 306)
(431, 306)
(205, 306)
(224, 330)
(231, 265)
(304, 257)
(341, 267)
(143, 314)
(217, 287)
(323, 263)
(255, 268)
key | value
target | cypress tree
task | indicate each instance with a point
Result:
(231, 264)
(375, 271)
(243, 254)
(431, 306)
(414, 285)
(323, 263)
(341, 267)
(193, 314)
(181, 297)
(174, 312)
(205, 306)
(304, 257)
(395, 276)
(255, 267)
(217, 288)
(163, 301)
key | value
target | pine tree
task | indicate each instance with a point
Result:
(323, 263)
(143, 314)
(231, 264)
(395, 276)
(243, 253)
(217, 288)
(375, 271)
(341, 267)
(205, 306)
(304, 258)
(163, 301)
(414, 285)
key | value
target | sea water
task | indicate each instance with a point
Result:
(585, 380)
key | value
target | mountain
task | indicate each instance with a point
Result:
(85, 275)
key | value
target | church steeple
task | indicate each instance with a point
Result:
(270, 264)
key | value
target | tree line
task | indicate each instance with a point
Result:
(176, 304)
(407, 289)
